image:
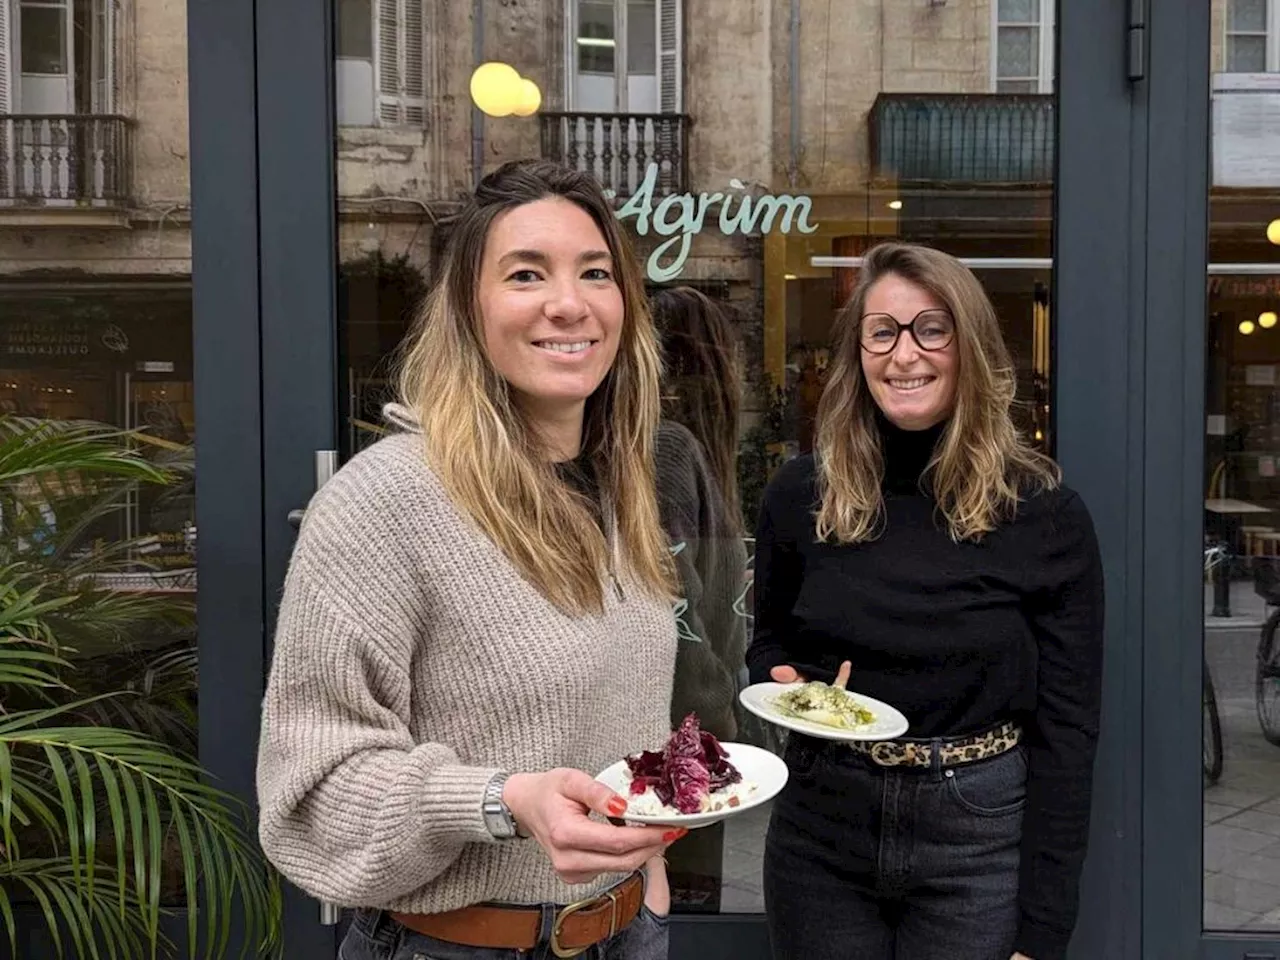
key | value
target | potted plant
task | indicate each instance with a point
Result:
(106, 818)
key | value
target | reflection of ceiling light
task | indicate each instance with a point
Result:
(529, 99)
(1247, 327)
(596, 42)
(499, 91)
(790, 276)
(1273, 232)
(895, 204)
(495, 88)
(1267, 320)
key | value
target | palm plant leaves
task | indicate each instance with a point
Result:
(95, 818)
(52, 886)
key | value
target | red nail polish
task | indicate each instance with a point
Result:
(671, 836)
(617, 806)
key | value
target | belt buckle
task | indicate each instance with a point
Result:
(882, 752)
(565, 953)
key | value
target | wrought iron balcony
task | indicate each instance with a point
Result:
(963, 138)
(619, 148)
(65, 161)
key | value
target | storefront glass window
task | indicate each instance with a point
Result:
(755, 152)
(96, 337)
(1241, 694)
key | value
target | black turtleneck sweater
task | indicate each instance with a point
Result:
(959, 637)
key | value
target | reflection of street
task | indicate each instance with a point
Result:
(741, 890)
(1242, 811)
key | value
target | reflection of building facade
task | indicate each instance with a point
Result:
(926, 122)
(95, 246)
(1242, 398)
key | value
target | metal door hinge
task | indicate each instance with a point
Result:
(1136, 54)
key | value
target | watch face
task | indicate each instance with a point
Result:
(498, 819)
(500, 825)
(497, 816)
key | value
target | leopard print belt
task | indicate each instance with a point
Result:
(919, 753)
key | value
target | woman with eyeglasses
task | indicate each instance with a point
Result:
(927, 552)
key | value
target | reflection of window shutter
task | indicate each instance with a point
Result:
(6, 103)
(670, 59)
(6, 65)
(106, 69)
(401, 72)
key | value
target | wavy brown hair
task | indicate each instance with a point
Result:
(981, 466)
(704, 390)
(486, 451)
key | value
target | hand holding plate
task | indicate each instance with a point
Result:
(842, 677)
(553, 808)
(786, 674)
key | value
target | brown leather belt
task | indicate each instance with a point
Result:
(577, 928)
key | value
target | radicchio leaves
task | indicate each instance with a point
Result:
(723, 773)
(686, 771)
(646, 771)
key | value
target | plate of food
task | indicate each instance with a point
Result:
(694, 780)
(826, 711)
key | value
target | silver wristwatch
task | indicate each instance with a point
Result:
(497, 815)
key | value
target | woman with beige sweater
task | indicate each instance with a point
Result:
(478, 613)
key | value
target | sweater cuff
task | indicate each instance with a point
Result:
(1039, 942)
(452, 802)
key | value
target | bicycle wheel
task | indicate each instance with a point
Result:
(1267, 685)
(1211, 730)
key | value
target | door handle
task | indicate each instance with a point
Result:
(326, 467)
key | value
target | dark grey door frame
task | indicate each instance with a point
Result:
(1098, 297)
(298, 237)
(265, 226)
(1173, 342)
(228, 407)
(261, 108)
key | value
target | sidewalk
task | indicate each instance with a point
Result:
(1247, 608)
(1241, 811)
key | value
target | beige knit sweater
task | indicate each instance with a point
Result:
(412, 662)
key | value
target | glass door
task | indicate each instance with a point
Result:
(937, 144)
(1241, 648)
(804, 133)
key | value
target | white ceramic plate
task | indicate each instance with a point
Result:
(764, 769)
(888, 724)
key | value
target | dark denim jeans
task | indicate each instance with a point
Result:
(375, 936)
(870, 863)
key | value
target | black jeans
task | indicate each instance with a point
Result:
(870, 863)
(375, 936)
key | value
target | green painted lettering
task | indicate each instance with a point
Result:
(682, 216)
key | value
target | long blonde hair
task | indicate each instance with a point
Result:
(485, 450)
(981, 466)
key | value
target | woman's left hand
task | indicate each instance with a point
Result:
(1019, 956)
